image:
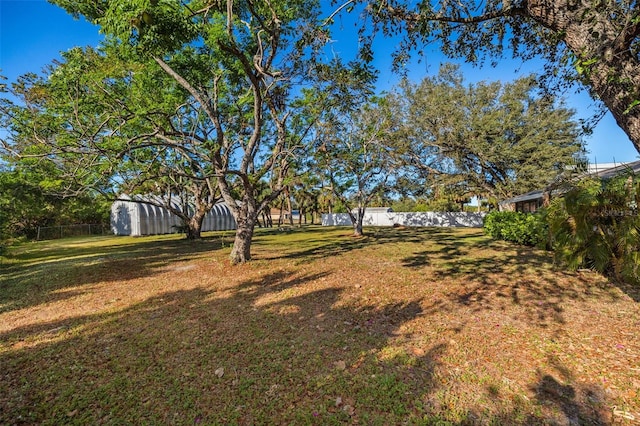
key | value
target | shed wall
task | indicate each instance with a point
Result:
(137, 218)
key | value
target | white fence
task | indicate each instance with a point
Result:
(452, 219)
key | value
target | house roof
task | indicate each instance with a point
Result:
(619, 169)
(529, 196)
(602, 173)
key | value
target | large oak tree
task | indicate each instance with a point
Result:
(258, 52)
(491, 139)
(115, 125)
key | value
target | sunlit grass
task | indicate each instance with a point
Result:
(402, 326)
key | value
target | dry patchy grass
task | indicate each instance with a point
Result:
(403, 326)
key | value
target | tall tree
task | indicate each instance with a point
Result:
(353, 157)
(491, 139)
(257, 51)
(594, 41)
(115, 125)
(30, 195)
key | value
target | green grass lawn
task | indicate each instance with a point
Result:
(402, 326)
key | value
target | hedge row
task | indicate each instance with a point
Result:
(521, 228)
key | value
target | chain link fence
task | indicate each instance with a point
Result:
(66, 231)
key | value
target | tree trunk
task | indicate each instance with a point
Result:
(194, 226)
(246, 215)
(604, 53)
(280, 216)
(265, 221)
(357, 222)
(193, 233)
(617, 98)
(289, 207)
(357, 229)
(241, 251)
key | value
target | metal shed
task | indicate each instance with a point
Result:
(137, 217)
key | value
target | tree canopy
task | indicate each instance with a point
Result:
(116, 125)
(491, 139)
(226, 98)
(257, 56)
(353, 157)
(596, 42)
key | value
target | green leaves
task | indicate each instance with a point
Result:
(631, 106)
(596, 225)
(521, 228)
(493, 139)
(583, 67)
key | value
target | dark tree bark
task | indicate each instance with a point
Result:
(194, 226)
(612, 69)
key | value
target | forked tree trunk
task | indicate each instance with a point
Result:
(246, 218)
(193, 233)
(357, 229)
(194, 226)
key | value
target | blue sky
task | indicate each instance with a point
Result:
(34, 32)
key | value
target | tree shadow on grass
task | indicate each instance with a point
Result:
(44, 275)
(556, 404)
(630, 289)
(193, 356)
(495, 274)
(341, 242)
(280, 348)
(559, 400)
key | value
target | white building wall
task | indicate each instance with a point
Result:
(136, 218)
(124, 218)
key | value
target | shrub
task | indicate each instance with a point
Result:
(596, 225)
(522, 228)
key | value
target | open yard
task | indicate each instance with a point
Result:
(403, 326)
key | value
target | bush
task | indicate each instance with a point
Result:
(522, 228)
(596, 225)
